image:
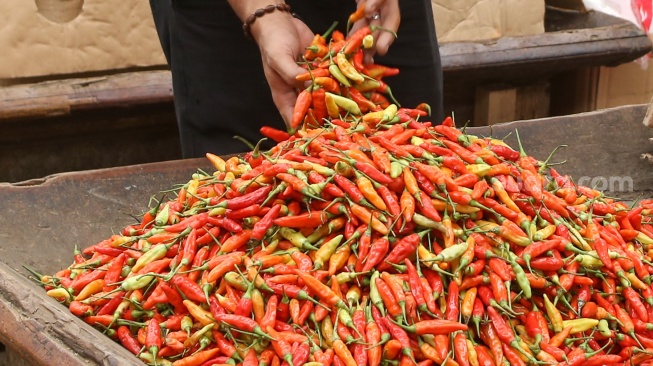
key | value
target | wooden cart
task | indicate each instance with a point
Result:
(42, 220)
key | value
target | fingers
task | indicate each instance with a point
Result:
(285, 102)
(384, 16)
(283, 96)
(373, 7)
(389, 20)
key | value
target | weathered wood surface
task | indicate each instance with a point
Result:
(41, 220)
(517, 58)
(64, 97)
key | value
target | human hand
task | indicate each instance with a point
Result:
(384, 14)
(281, 40)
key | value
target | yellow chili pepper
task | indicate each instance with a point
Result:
(368, 41)
(235, 280)
(589, 260)
(381, 116)
(554, 315)
(296, 238)
(635, 281)
(118, 240)
(544, 233)
(580, 324)
(503, 195)
(201, 315)
(479, 169)
(91, 288)
(427, 257)
(344, 103)
(471, 353)
(452, 253)
(60, 294)
(644, 239)
(218, 163)
(332, 107)
(195, 337)
(348, 69)
(193, 184)
(218, 211)
(367, 85)
(327, 330)
(325, 252)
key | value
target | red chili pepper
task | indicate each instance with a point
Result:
(511, 355)
(400, 335)
(461, 352)
(363, 103)
(309, 219)
(401, 250)
(636, 303)
(226, 347)
(355, 40)
(321, 290)
(190, 289)
(378, 250)
(302, 104)
(453, 302)
(153, 340)
(128, 340)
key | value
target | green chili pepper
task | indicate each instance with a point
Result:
(604, 328)
(452, 253)
(162, 216)
(375, 296)
(588, 261)
(345, 103)
(424, 221)
(395, 169)
(522, 280)
(335, 71)
(136, 282)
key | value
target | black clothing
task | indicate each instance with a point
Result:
(218, 83)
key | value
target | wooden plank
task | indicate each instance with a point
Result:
(533, 101)
(43, 332)
(514, 58)
(498, 103)
(494, 104)
(63, 97)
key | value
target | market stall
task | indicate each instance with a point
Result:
(367, 234)
(44, 219)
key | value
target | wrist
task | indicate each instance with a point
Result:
(269, 13)
(244, 9)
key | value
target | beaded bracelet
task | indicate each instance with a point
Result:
(261, 12)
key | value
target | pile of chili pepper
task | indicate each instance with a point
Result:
(370, 236)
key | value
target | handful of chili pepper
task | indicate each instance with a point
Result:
(367, 236)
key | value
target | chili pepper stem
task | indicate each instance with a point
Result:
(545, 164)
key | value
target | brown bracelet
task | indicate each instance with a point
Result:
(261, 12)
